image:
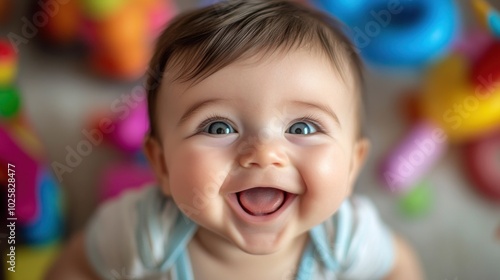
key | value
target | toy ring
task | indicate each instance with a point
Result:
(397, 33)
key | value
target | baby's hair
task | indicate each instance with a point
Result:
(200, 42)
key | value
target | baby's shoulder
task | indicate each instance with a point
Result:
(354, 214)
(354, 241)
(139, 230)
(133, 206)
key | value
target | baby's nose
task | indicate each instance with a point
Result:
(263, 153)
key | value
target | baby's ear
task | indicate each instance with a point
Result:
(360, 153)
(155, 155)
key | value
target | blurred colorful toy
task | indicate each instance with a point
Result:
(485, 71)
(10, 100)
(413, 157)
(37, 194)
(417, 201)
(118, 33)
(126, 133)
(130, 131)
(47, 227)
(482, 161)
(12, 153)
(8, 63)
(409, 34)
(458, 103)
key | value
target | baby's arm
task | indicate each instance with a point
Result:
(406, 265)
(72, 263)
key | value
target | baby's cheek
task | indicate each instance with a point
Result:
(326, 180)
(196, 175)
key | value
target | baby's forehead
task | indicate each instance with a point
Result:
(310, 57)
(280, 78)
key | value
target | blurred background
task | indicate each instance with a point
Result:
(73, 114)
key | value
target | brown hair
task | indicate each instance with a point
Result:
(200, 42)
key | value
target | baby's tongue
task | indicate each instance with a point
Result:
(261, 201)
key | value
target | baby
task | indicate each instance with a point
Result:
(255, 111)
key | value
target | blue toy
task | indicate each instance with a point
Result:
(402, 33)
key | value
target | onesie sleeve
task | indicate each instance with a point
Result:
(370, 251)
(110, 241)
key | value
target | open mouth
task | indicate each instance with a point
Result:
(262, 201)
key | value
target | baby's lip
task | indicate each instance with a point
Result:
(284, 189)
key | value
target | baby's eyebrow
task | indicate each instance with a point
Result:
(319, 106)
(195, 108)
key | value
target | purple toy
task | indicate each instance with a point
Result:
(415, 155)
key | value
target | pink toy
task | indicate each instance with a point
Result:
(129, 133)
(26, 202)
(415, 155)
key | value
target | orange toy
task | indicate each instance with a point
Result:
(119, 34)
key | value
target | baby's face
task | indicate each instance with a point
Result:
(262, 150)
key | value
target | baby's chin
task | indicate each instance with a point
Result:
(266, 243)
(259, 249)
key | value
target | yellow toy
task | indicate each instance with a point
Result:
(453, 103)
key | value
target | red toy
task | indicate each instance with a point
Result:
(482, 159)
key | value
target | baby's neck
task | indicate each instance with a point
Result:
(213, 256)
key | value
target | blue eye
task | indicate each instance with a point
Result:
(219, 128)
(301, 128)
